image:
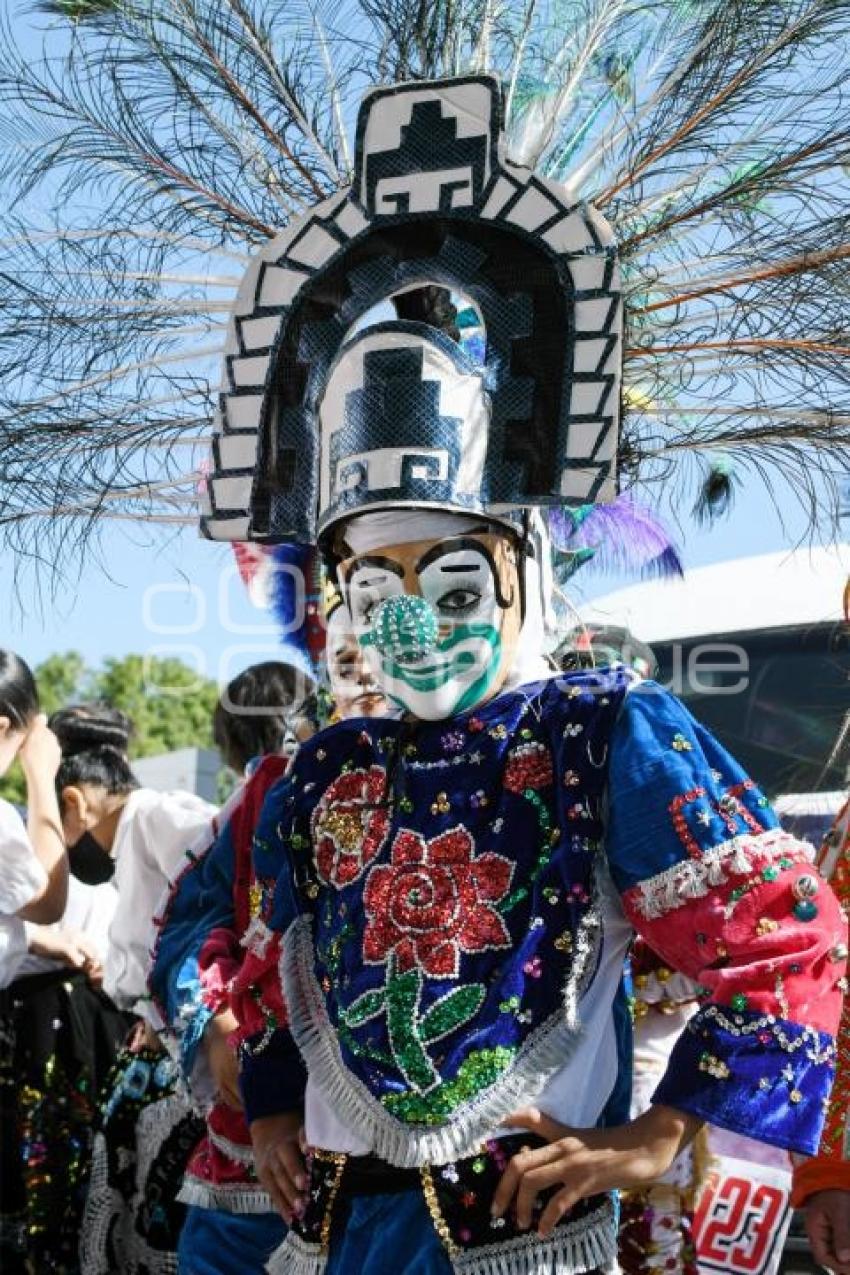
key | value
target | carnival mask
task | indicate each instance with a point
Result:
(352, 680)
(438, 620)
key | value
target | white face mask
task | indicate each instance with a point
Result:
(353, 687)
(438, 620)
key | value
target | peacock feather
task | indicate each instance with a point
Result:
(154, 144)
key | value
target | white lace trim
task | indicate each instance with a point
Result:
(693, 878)
(409, 1146)
(296, 1257)
(588, 1244)
(155, 1123)
(230, 1197)
(238, 1152)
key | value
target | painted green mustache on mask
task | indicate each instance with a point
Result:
(428, 676)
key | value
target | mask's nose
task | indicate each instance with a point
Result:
(405, 629)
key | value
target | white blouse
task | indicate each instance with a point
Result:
(22, 877)
(90, 910)
(154, 830)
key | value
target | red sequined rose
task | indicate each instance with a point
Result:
(434, 902)
(350, 824)
(528, 766)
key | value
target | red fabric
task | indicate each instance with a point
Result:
(821, 1173)
(218, 961)
(749, 943)
(210, 1164)
(830, 1169)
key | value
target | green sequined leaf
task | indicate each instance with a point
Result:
(451, 1011)
(475, 1074)
(367, 1006)
(403, 991)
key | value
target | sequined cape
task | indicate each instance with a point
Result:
(830, 1168)
(423, 875)
(195, 961)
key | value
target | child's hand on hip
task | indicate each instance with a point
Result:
(584, 1162)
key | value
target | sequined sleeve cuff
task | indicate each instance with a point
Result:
(272, 1076)
(752, 1072)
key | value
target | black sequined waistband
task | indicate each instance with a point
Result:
(367, 1175)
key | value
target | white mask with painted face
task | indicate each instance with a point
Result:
(438, 619)
(353, 687)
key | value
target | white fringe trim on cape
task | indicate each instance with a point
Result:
(296, 1257)
(693, 878)
(543, 1053)
(588, 1244)
(238, 1152)
(230, 1197)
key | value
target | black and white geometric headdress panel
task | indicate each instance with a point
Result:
(322, 415)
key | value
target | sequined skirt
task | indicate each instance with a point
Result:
(146, 1131)
(58, 1039)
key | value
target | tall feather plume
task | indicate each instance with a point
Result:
(162, 142)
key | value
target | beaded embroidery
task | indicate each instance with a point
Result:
(693, 878)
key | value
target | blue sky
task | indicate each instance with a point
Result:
(179, 595)
(174, 594)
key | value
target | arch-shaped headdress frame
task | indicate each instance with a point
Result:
(434, 200)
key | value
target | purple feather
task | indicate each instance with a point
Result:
(624, 537)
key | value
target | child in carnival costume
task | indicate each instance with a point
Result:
(206, 1002)
(448, 894)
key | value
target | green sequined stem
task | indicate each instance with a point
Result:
(402, 1003)
(474, 1074)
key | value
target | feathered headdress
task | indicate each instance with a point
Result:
(163, 145)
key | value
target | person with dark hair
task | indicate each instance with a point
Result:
(203, 984)
(57, 1031)
(250, 719)
(133, 836)
(33, 863)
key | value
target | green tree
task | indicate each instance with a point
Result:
(168, 704)
(61, 680)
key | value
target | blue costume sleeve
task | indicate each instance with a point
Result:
(717, 889)
(200, 901)
(272, 1076)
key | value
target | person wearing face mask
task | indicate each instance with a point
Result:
(446, 893)
(204, 988)
(195, 958)
(134, 838)
(60, 1036)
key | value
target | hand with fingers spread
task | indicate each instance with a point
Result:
(583, 1162)
(279, 1160)
(828, 1227)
